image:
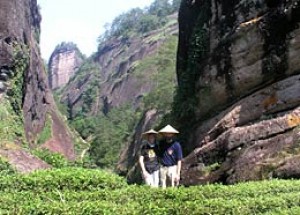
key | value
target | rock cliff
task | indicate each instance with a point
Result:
(108, 76)
(112, 89)
(239, 80)
(27, 109)
(63, 63)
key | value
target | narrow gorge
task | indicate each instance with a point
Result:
(236, 94)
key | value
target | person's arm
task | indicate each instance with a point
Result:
(144, 171)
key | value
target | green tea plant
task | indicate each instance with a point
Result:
(76, 179)
(5, 167)
(82, 191)
(56, 160)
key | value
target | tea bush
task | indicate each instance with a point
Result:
(77, 179)
(82, 191)
(56, 160)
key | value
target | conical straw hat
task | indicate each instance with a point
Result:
(151, 131)
(169, 129)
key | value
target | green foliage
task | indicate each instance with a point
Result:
(11, 126)
(186, 101)
(148, 23)
(89, 96)
(89, 67)
(76, 179)
(139, 21)
(80, 191)
(46, 133)
(110, 134)
(11, 116)
(84, 162)
(5, 167)
(161, 8)
(64, 47)
(176, 5)
(125, 23)
(107, 133)
(56, 160)
(162, 74)
(85, 126)
(15, 91)
(63, 109)
(212, 167)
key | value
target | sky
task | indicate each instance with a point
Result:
(79, 21)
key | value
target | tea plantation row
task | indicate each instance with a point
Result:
(82, 191)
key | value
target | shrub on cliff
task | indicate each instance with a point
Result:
(54, 159)
(139, 21)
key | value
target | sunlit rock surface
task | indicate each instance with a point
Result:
(26, 103)
(238, 72)
(63, 63)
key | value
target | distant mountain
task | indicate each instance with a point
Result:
(63, 64)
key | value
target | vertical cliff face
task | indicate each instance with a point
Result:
(238, 71)
(110, 78)
(28, 111)
(63, 63)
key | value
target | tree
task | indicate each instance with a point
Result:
(139, 21)
(148, 23)
(176, 5)
(160, 8)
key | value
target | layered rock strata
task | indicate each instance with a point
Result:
(63, 64)
(238, 72)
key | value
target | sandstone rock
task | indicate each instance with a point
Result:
(245, 89)
(19, 25)
(112, 72)
(3, 87)
(23, 161)
(288, 169)
(63, 63)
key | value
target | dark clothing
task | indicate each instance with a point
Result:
(150, 157)
(170, 153)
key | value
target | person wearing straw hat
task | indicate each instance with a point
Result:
(148, 159)
(170, 154)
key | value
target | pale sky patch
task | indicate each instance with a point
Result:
(79, 21)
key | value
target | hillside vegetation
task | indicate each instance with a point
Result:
(109, 131)
(139, 21)
(82, 191)
(106, 126)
